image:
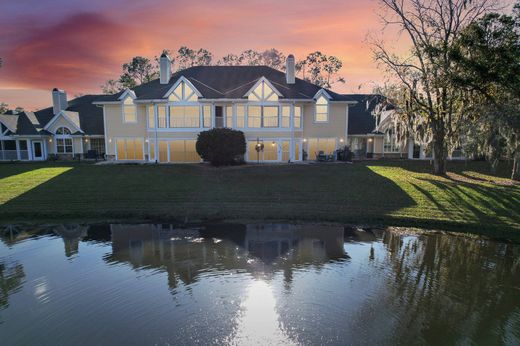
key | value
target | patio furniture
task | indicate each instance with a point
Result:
(320, 156)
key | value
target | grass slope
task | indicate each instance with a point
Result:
(384, 193)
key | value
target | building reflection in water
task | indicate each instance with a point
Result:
(258, 249)
(71, 235)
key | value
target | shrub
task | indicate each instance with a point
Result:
(221, 146)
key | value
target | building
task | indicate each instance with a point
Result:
(67, 130)
(159, 121)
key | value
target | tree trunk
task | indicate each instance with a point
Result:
(439, 154)
(516, 167)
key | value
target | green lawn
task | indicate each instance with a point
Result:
(379, 193)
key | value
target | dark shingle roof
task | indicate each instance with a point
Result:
(228, 82)
(361, 121)
(90, 117)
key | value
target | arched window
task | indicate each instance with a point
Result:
(63, 131)
(64, 141)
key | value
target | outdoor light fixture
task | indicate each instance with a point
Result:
(146, 140)
(86, 140)
(370, 139)
(305, 139)
(110, 140)
(273, 143)
(341, 140)
(50, 140)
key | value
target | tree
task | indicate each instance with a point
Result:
(320, 69)
(4, 107)
(487, 55)
(187, 57)
(432, 103)
(136, 72)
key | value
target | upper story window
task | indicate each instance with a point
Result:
(262, 116)
(183, 92)
(129, 111)
(263, 92)
(322, 110)
(63, 131)
(151, 116)
(297, 117)
(184, 116)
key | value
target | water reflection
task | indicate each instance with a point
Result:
(255, 284)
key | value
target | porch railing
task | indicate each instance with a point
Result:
(8, 155)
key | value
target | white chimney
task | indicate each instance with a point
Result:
(290, 69)
(59, 100)
(165, 65)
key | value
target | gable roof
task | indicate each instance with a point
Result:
(227, 82)
(80, 111)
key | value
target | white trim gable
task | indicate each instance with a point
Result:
(64, 115)
(179, 81)
(8, 128)
(127, 93)
(324, 93)
(266, 81)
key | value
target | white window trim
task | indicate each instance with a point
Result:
(266, 81)
(123, 118)
(133, 138)
(176, 84)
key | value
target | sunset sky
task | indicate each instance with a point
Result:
(77, 45)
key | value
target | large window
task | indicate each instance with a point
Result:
(390, 143)
(262, 116)
(317, 145)
(184, 116)
(130, 149)
(129, 111)
(322, 110)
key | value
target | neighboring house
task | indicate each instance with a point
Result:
(68, 129)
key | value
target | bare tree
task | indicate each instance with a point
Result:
(430, 101)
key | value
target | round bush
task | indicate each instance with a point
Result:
(221, 146)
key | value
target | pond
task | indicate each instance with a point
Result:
(275, 284)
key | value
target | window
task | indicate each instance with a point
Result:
(63, 141)
(240, 116)
(130, 149)
(254, 116)
(390, 143)
(98, 144)
(263, 92)
(63, 131)
(161, 116)
(286, 116)
(270, 116)
(297, 117)
(206, 119)
(183, 92)
(151, 117)
(129, 111)
(184, 116)
(262, 116)
(64, 145)
(229, 116)
(322, 110)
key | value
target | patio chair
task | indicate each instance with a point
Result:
(320, 156)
